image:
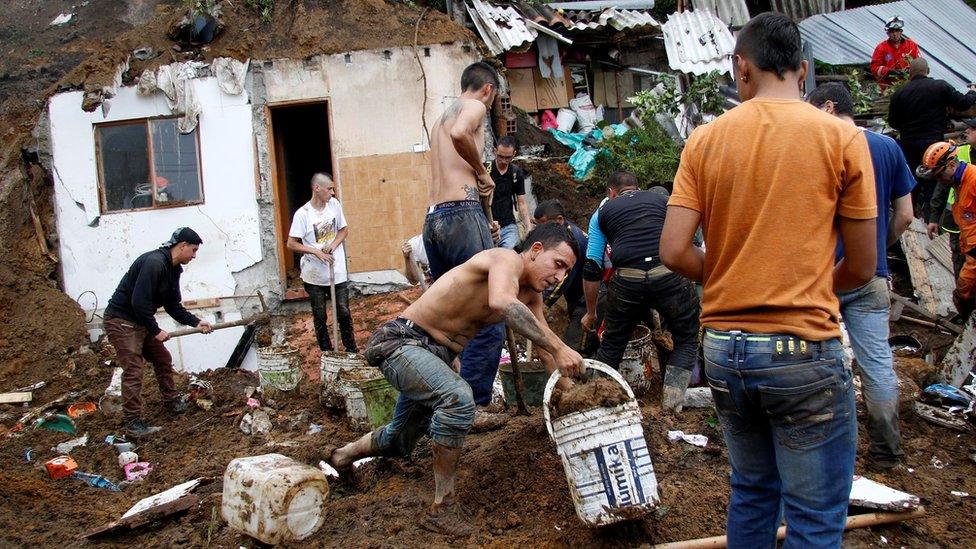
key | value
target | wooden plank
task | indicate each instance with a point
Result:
(961, 356)
(16, 398)
(940, 250)
(551, 93)
(522, 89)
(933, 282)
(149, 515)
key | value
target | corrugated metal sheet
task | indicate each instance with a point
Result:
(801, 9)
(945, 32)
(734, 13)
(501, 27)
(509, 27)
(697, 42)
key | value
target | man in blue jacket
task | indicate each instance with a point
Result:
(153, 281)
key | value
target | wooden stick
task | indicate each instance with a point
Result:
(335, 315)
(145, 517)
(516, 373)
(221, 325)
(856, 521)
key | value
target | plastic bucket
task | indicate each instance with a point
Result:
(380, 399)
(332, 364)
(534, 378)
(605, 457)
(278, 367)
(350, 393)
(639, 351)
(565, 119)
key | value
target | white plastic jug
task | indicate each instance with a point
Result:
(605, 456)
(274, 498)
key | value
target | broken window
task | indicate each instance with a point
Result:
(145, 164)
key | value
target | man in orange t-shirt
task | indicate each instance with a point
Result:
(772, 352)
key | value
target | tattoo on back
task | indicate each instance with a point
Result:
(470, 192)
(452, 111)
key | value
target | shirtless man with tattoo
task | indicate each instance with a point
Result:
(415, 351)
(456, 228)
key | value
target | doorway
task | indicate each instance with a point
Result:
(301, 148)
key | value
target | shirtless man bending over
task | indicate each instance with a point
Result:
(415, 351)
(456, 227)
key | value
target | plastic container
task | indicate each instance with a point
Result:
(380, 399)
(332, 364)
(605, 457)
(60, 467)
(278, 367)
(638, 355)
(534, 378)
(565, 120)
(350, 389)
(273, 498)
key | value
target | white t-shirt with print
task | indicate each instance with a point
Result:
(318, 228)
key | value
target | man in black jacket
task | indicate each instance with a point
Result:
(153, 281)
(920, 113)
(632, 221)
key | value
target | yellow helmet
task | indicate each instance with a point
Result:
(935, 159)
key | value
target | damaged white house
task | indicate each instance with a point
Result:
(126, 176)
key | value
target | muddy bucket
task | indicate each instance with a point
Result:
(278, 367)
(533, 381)
(380, 399)
(332, 364)
(639, 350)
(349, 389)
(605, 456)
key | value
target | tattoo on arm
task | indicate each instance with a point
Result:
(470, 192)
(520, 319)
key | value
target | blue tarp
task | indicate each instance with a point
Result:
(585, 153)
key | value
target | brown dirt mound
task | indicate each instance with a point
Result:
(594, 393)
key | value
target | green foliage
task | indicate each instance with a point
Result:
(863, 96)
(265, 8)
(202, 7)
(648, 152)
(703, 92)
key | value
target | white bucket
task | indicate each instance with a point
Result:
(332, 364)
(605, 456)
(278, 367)
(639, 351)
(565, 119)
(274, 498)
(352, 394)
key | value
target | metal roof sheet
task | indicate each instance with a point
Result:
(734, 13)
(945, 31)
(801, 9)
(697, 42)
(501, 27)
(617, 18)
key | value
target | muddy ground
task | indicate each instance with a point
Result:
(511, 480)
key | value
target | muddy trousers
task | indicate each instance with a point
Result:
(319, 297)
(630, 301)
(865, 313)
(133, 348)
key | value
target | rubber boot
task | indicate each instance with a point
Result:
(676, 382)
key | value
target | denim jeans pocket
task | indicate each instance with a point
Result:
(725, 408)
(803, 414)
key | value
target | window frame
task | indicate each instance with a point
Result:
(146, 121)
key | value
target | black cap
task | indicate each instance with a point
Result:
(971, 122)
(183, 234)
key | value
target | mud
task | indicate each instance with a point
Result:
(594, 393)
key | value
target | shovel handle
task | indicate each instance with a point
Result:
(219, 325)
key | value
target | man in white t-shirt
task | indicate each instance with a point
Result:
(318, 231)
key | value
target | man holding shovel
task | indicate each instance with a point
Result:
(318, 231)
(153, 281)
(415, 352)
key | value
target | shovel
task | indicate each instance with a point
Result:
(332, 301)
(263, 316)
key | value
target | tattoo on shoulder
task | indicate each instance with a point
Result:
(453, 110)
(470, 192)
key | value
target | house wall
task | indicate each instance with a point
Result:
(379, 145)
(96, 249)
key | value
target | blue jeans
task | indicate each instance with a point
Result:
(865, 313)
(791, 431)
(509, 236)
(453, 232)
(433, 400)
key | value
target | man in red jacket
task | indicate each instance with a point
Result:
(891, 57)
